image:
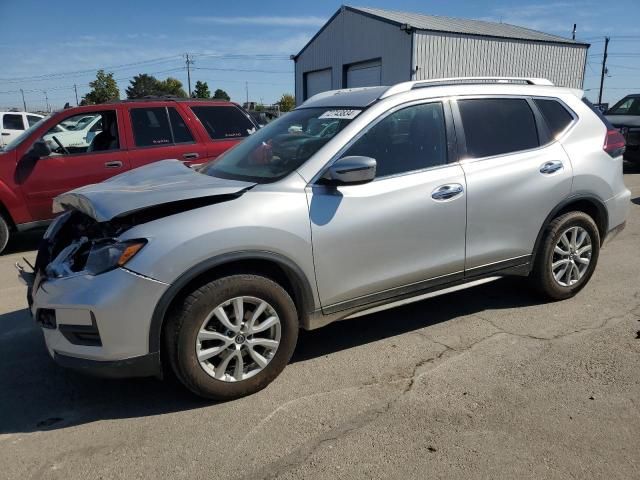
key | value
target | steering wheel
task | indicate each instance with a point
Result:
(62, 147)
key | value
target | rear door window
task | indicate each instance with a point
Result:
(158, 126)
(497, 126)
(151, 127)
(556, 115)
(13, 121)
(225, 122)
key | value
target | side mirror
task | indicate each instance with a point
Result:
(40, 149)
(351, 171)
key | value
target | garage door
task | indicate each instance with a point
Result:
(316, 82)
(366, 74)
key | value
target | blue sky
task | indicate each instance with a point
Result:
(54, 40)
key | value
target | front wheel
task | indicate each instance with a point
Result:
(567, 257)
(232, 336)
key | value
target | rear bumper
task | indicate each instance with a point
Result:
(614, 233)
(617, 211)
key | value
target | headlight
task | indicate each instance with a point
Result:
(109, 254)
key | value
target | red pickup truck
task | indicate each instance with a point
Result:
(84, 145)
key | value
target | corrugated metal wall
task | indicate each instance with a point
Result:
(441, 55)
(351, 38)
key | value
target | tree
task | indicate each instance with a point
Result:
(104, 88)
(220, 94)
(143, 85)
(171, 86)
(201, 91)
(287, 102)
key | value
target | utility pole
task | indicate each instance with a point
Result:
(604, 68)
(46, 99)
(189, 62)
(246, 86)
(75, 89)
(573, 35)
(24, 104)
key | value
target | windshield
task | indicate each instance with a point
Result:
(23, 136)
(281, 147)
(626, 106)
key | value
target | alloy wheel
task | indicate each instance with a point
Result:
(238, 339)
(571, 256)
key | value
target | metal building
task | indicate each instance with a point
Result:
(369, 46)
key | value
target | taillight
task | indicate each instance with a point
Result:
(614, 143)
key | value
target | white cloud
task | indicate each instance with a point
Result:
(307, 21)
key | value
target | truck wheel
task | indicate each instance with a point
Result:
(4, 233)
(232, 336)
(567, 257)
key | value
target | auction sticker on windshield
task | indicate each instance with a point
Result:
(346, 114)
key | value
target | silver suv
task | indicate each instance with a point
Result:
(358, 199)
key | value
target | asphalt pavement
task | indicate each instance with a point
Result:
(488, 382)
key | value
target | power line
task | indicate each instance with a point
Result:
(75, 85)
(50, 76)
(243, 70)
(626, 67)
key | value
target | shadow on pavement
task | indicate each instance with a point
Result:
(24, 241)
(37, 395)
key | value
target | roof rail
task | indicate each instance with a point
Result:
(439, 82)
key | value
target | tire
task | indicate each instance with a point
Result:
(195, 317)
(4, 233)
(554, 282)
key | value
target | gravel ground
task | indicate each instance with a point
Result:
(482, 383)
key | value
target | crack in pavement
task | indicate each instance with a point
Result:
(300, 455)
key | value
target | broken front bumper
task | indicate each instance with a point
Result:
(99, 324)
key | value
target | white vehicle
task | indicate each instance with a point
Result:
(86, 128)
(13, 124)
(78, 122)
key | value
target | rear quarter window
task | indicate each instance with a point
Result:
(555, 115)
(224, 122)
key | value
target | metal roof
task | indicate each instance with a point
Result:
(434, 23)
(461, 25)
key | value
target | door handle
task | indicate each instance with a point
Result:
(113, 164)
(190, 156)
(5, 134)
(551, 167)
(447, 192)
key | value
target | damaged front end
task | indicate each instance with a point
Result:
(84, 239)
(76, 244)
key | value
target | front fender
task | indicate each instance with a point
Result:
(12, 202)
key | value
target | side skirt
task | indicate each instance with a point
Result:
(519, 266)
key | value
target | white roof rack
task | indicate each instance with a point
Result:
(439, 82)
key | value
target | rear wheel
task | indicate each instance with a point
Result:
(4, 233)
(568, 256)
(232, 336)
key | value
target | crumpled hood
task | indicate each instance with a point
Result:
(164, 182)
(624, 120)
